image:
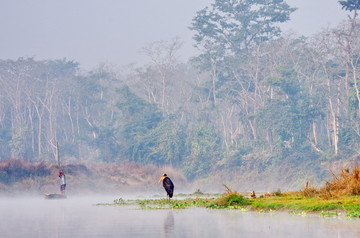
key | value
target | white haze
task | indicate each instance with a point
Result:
(95, 31)
(81, 217)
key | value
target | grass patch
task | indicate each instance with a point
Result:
(295, 202)
(174, 203)
(329, 214)
(307, 203)
(232, 199)
(355, 214)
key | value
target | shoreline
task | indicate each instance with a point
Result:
(300, 205)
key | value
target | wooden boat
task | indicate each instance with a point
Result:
(54, 196)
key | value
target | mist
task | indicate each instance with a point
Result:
(113, 83)
(82, 217)
(114, 32)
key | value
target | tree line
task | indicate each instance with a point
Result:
(253, 95)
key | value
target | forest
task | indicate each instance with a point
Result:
(256, 105)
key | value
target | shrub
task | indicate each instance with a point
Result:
(345, 184)
(231, 198)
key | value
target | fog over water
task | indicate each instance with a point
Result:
(81, 217)
(95, 31)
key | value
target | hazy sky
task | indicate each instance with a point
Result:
(114, 31)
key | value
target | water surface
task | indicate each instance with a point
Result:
(80, 217)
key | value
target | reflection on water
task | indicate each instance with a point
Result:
(169, 224)
(79, 217)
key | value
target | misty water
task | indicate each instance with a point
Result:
(81, 217)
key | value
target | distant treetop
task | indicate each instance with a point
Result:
(350, 5)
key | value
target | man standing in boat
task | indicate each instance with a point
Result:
(62, 182)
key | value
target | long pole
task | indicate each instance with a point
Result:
(57, 154)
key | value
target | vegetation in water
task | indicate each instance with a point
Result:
(230, 199)
(302, 203)
(329, 214)
(173, 203)
(355, 214)
(298, 202)
(299, 205)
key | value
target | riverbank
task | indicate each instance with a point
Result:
(290, 202)
(25, 177)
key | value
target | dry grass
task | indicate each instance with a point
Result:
(15, 170)
(347, 183)
(21, 175)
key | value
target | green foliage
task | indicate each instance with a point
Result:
(347, 137)
(18, 144)
(329, 214)
(235, 25)
(106, 142)
(288, 202)
(355, 214)
(354, 103)
(233, 200)
(164, 144)
(264, 100)
(234, 158)
(173, 204)
(5, 138)
(150, 136)
(350, 5)
(139, 118)
(290, 127)
(204, 146)
(287, 82)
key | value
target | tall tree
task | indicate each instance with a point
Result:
(156, 77)
(350, 5)
(234, 25)
(230, 27)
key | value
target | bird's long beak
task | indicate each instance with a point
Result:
(161, 179)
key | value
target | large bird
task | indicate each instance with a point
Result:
(168, 185)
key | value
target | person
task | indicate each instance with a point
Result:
(62, 182)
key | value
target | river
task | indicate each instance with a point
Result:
(81, 217)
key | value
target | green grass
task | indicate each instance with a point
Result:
(307, 204)
(350, 205)
(329, 214)
(174, 203)
(354, 214)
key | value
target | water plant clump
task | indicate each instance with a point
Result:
(120, 201)
(230, 199)
(329, 214)
(353, 214)
(198, 192)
